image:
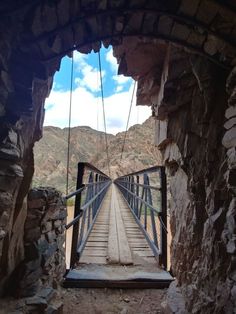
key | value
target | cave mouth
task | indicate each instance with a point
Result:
(46, 152)
(86, 99)
(191, 88)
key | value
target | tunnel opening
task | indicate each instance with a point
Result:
(194, 106)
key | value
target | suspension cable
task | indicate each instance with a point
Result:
(127, 124)
(104, 116)
(69, 127)
(98, 135)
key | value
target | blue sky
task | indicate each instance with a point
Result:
(86, 98)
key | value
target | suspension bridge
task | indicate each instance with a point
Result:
(118, 234)
(119, 230)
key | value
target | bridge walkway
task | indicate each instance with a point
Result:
(117, 253)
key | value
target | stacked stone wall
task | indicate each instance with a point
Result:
(34, 37)
(37, 278)
(202, 184)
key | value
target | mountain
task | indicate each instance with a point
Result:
(88, 145)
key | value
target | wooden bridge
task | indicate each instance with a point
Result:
(119, 238)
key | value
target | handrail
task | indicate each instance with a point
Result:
(148, 204)
(143, 185)
(142, 171)
(74, 193)
(85, 206)
(88, 199)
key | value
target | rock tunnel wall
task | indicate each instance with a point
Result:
(197, 120)
(196, 115)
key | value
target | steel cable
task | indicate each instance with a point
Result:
(69, 127)
(127, 124)
(104, 115)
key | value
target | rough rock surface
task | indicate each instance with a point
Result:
(88, 145)
(202, 187)
(198, 147)
(36, 278)
(188, 100)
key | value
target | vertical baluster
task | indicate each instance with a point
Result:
(163, 234)
(86, 213)
(145, 198)
(88, 197)
(137, 194)
(141, 204)
(132, 201)
(149, 199)
(99, 189)
(95, 205)
(75, 234)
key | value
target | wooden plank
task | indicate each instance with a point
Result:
(100, 228)
(137, 241)
(101, 276)
(141, 241)
(94, 253)
(93, 259)
(134, 236)
(144, 249)
(124, 249)
(143, 253)
(100, 244)
(92, 239)
(113, 256)
(96, 238)
(99, 234)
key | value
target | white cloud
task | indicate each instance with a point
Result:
(80, 59)
(119, 79)
(112, 61)
(85, 107)
(90, 79)
(90, 75)
(119, 88)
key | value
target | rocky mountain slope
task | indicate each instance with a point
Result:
(88, 145)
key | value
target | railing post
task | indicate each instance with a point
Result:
(149, 198)
(137, 194)
(95, 207)
(75, 233)
(132, 203)
(163, 257)
(145, 176)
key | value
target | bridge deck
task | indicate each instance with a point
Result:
(117, 254)
(116, 237)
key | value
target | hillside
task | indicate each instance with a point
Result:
(88, 145)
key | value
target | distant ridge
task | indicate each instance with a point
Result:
(88, 145)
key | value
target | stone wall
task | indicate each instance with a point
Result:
(202, 182)
(43, 267)
(44, 239)
(34, 37)
(192, 122)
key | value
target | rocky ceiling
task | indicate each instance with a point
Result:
(40, 33)
(53, 28)
(187, 51)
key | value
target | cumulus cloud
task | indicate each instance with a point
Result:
(86, 108)
(90, 78)
(112, 61)
(120, 80)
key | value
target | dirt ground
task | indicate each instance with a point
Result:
(100, 301)
(112, 301)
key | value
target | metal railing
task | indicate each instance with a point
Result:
(91, 187)
(146, 194)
